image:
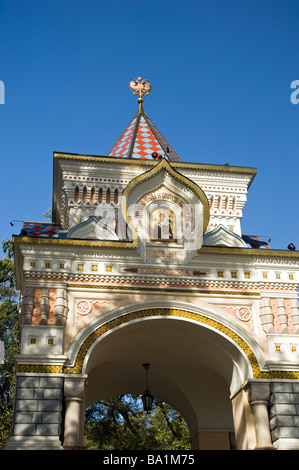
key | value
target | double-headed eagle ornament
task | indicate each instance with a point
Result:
(140, 87)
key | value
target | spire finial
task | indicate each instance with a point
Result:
(140, 87)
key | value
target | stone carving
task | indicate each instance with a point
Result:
(242, 312)
(258, 393)
(44, 306)
(84, 307)
(279, 315)
(295, 314)
(282, 315)
(61, 307)
(27, 305)
(74, 388)
(266, 315)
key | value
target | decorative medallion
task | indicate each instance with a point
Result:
(84, 307)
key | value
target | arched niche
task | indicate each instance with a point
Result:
(178, 199)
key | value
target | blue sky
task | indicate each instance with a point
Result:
(220, 70)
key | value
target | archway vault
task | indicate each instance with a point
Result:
(251, 352)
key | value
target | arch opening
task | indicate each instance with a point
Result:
(119, 422)
(193, 369)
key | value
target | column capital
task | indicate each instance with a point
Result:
(74, 387)
(258, 392)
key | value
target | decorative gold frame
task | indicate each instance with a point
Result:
(163, 165)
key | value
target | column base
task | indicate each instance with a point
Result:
(73, 448)
(265, 448)
(34, 443)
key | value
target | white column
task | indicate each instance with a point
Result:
(266, 315)
(295, 314)
(282, 315)
(258, 396)
(74, 391)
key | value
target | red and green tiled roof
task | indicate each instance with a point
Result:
(255, 242)
(141, 139)
(40, 229)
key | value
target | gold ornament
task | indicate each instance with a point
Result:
(140, 88)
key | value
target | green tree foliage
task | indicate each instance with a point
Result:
(48, 214)
(9, 334)
(120, 423)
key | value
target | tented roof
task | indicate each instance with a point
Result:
(141, 139)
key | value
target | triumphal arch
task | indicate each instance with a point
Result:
(145, 261)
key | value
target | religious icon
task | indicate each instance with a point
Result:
(162, 225)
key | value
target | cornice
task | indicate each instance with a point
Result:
(231, 251)
(249, 252)
(70, 242)
(162, 283)
(133, 161)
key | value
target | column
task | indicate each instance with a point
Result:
(74, 392)
(282, 315)
(258, 396)
(295, 314)
(266, 315)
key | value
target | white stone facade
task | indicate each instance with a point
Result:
(101, 286)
